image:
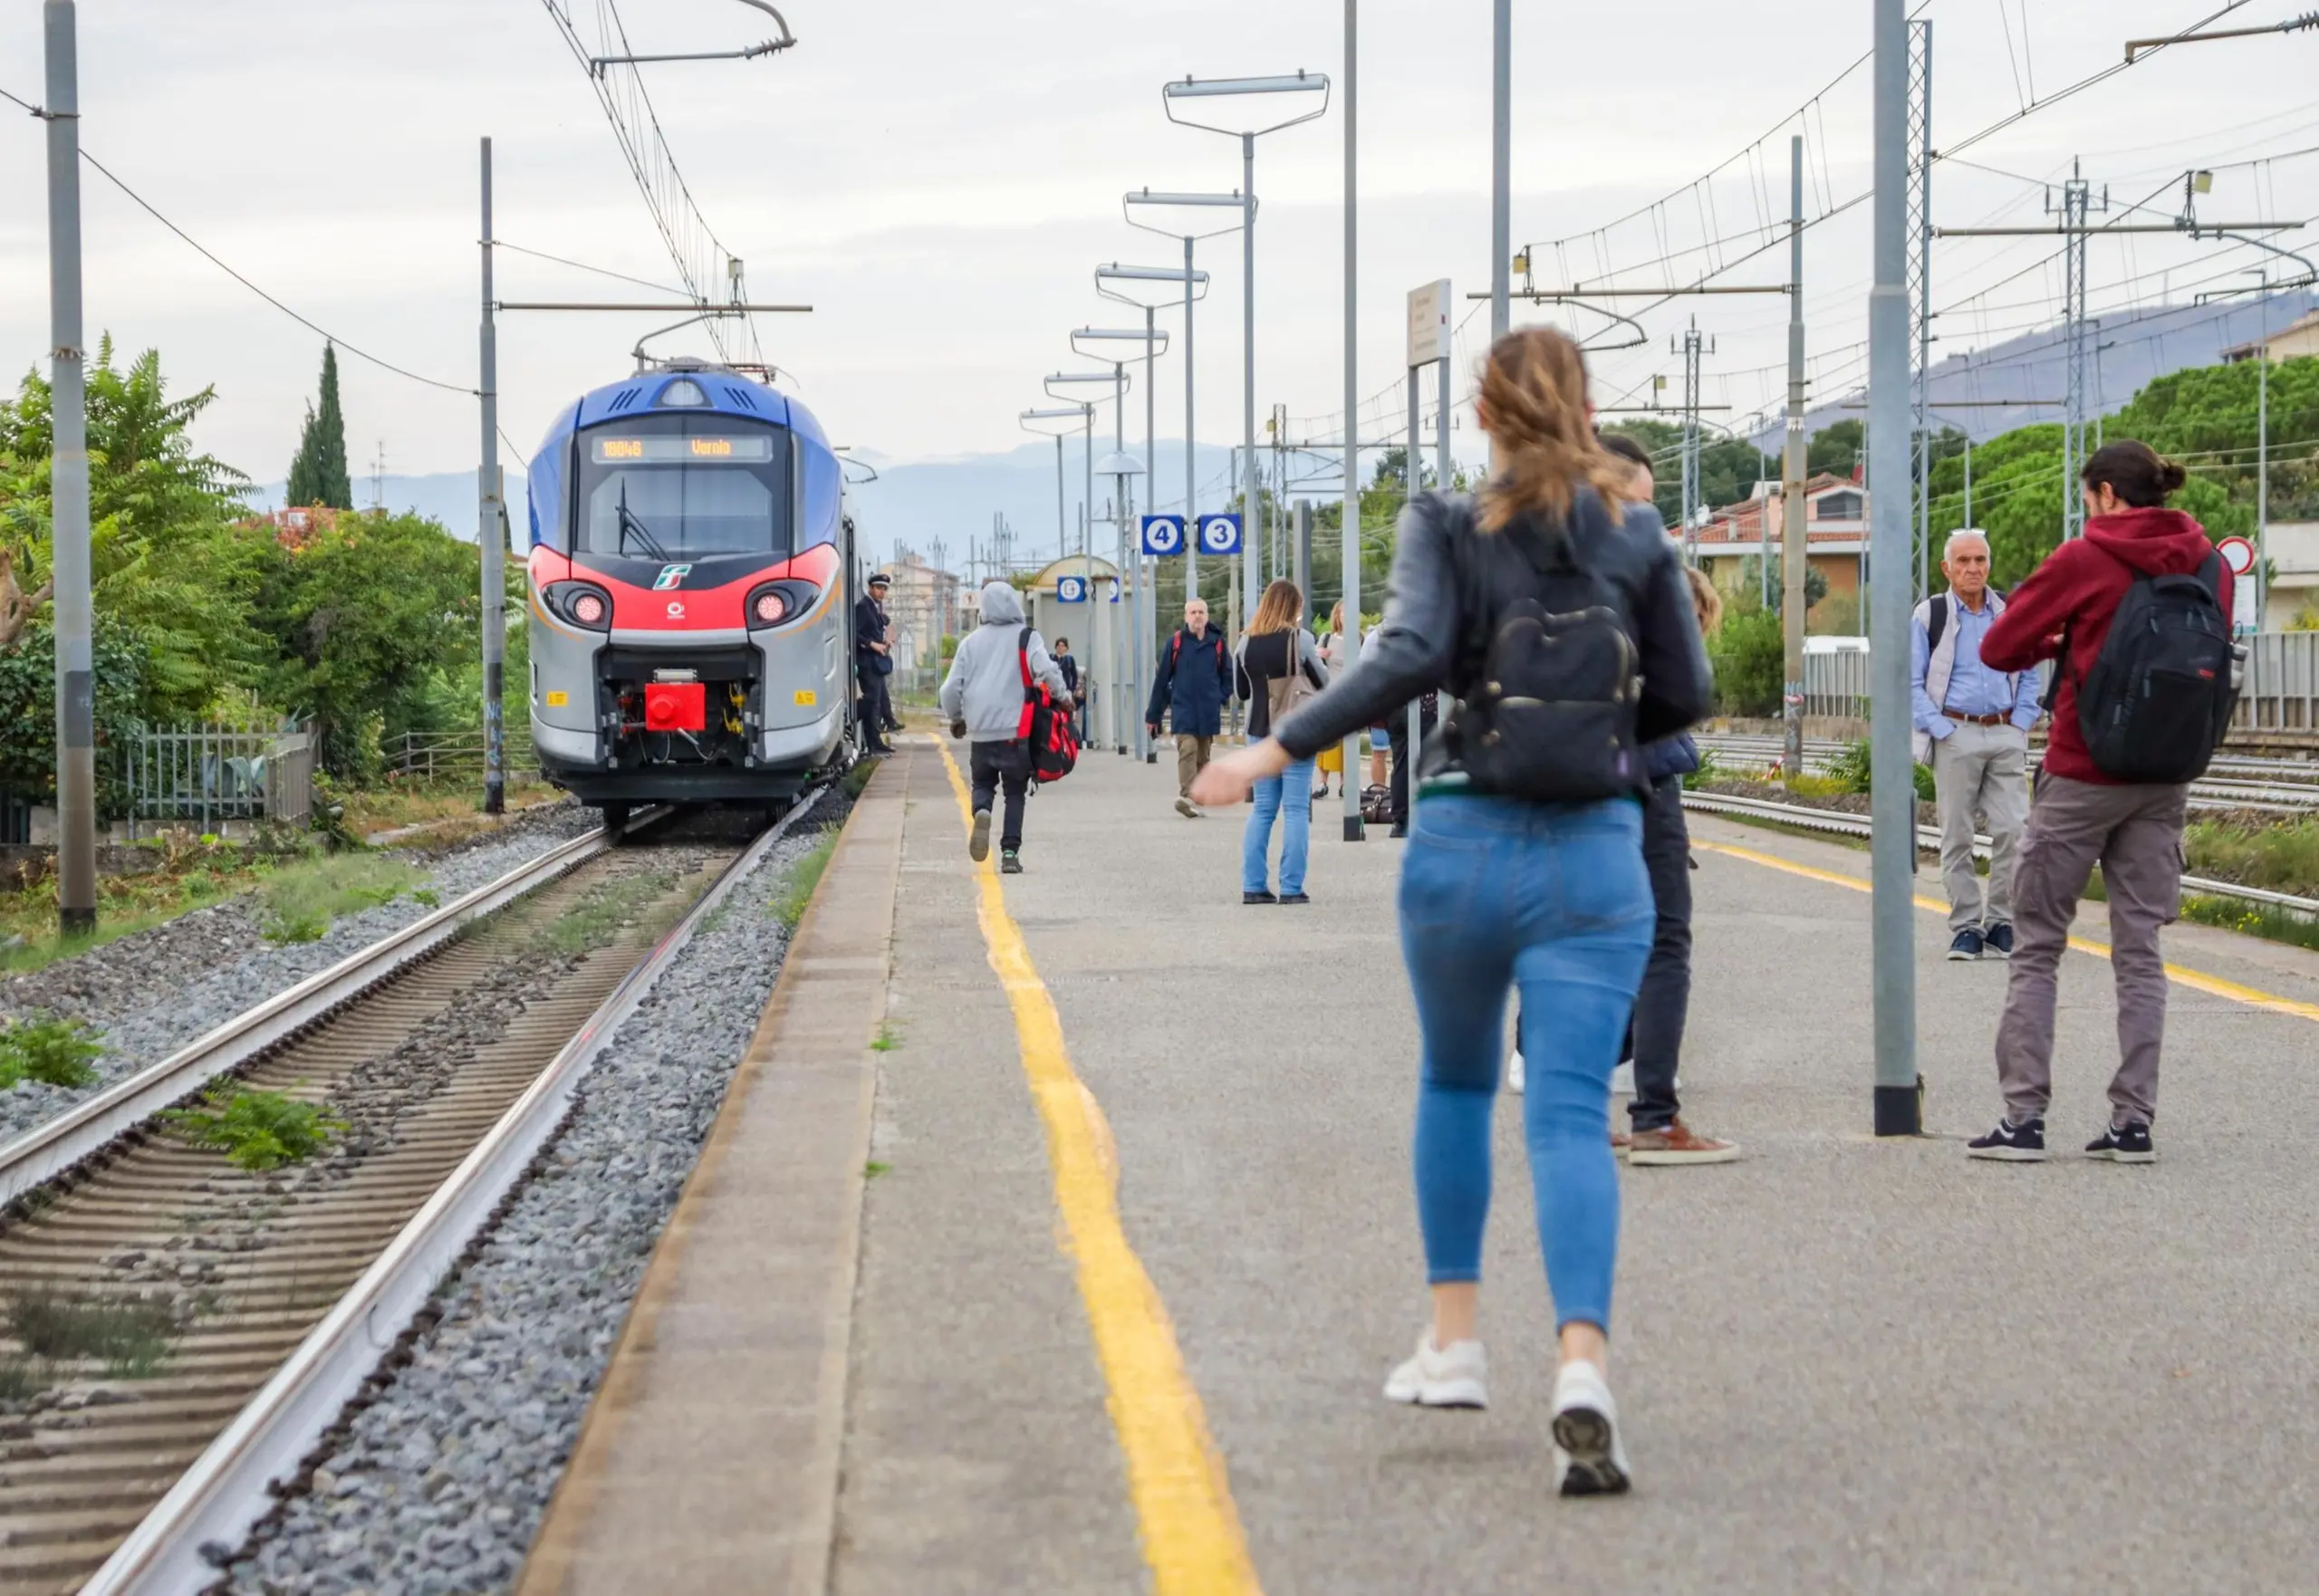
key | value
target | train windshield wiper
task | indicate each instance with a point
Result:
(629, 523)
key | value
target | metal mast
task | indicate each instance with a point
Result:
(1920, 156)
(2077, 203)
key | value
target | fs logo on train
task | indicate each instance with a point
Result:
(671, 576)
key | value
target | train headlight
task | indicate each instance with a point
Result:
(777, 603)
(583, 604)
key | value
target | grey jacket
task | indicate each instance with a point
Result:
(1425, 641)
(985, 680)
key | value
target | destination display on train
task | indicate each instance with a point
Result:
(663, 451)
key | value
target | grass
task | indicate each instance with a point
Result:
(53, 1051)
(858, 776)
(873, 1169)
(130, 1336)
(602, 915)
(797, 892)
(885, 1040)
(19, 1377)
(384, 809)
(192, 874)
(256, 1130)
(298, 901)
(2282, 858)
(2252, 919)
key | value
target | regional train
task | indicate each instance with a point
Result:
(692, 575)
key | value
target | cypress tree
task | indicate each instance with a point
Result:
(318, 474)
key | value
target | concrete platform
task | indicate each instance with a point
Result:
(1846, 1364)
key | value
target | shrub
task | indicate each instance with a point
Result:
(1749, 656)
(256, 1130)
(53, 1051)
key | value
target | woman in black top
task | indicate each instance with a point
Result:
(1502, 888)
(1278, 667)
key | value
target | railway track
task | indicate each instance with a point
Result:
(192, 1327)
(2233, 781)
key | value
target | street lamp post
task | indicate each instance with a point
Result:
(1115, 379)
(1072, 412)
(1191, 89)
(1124, 647)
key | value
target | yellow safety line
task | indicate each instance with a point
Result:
(1191, 1531)
(2196, 980)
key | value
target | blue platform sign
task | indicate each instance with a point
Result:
(1219, 535)
(1163, 536)
(1071, 589)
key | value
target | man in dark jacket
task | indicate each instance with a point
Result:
(1194, 678)
(1069, 665)
(2082, 815)
(873, 661)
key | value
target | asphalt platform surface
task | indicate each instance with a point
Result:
(1843, 1364)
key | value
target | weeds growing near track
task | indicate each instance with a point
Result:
(600, 915)
(130, 1336)
(53, 1051)
(797, 892)
(297, 902)
(257, 1130)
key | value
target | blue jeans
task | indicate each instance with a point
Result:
(1288, 795)
(1552, 899)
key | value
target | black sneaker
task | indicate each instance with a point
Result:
(978, 840)
(1996, 942)
(1010, 863)
(1967, 943)
(2123, 1144)
(2016, 1144)
(1258, 898)
(1297, 898)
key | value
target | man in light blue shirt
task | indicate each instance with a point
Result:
(1972, 727)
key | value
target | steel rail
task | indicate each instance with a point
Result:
(1856, 825)
(232, 1484)
(48, 1150)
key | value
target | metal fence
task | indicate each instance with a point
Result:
(442, 757)
(2281, 689)
(206, 774)
(1836, 685)
(2281, 692)
(16, 819)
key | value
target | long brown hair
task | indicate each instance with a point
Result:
(1281, 608)
(1534, 391)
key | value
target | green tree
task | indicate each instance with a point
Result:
(318, 470)
(366, 617)
(169, 567)
(28, 709)
(1834, 449)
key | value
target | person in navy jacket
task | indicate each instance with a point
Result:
(1194, 678)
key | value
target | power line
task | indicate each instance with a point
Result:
(146, 205)
(584, 266)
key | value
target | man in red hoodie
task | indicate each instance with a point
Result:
(2082, 816)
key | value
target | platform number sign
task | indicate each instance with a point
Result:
(1219, 535)
(1163, 536)
(1071, 589)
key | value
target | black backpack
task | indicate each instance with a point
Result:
(2158, 699)
(1549, 714)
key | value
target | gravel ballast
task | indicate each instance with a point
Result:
(439, 1483)
(150, 994)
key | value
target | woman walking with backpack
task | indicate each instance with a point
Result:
(1524, 866)
(1278, 668)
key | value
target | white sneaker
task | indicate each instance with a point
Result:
(1517, 1077)
(1453, 1377)
(1590, 1460)
(1622, 1079)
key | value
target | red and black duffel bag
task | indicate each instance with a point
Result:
(1052, 740)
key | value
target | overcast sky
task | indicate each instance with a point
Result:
(939, 180)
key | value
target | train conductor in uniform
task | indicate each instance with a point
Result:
(873, 659)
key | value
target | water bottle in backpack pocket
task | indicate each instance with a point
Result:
(2157, 701)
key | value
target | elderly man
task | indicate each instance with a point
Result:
(1972, 727)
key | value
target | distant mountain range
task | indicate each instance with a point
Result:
(918, 504)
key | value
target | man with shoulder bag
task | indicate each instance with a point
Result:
(2136, 615)
(1972, 725)
(990, 696)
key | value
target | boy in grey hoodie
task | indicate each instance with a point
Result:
(983, 697)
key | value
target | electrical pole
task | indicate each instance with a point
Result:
(490, 538)
(1899, 1111)
(1144, 644)
(1501, 169)
(70, 609)
(2077, 202)
(1351, 531)
(1191, 503)
(1246, 609)
(1794, 514)
(1920, 158)
(1690, 346)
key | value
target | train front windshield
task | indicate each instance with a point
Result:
(667, 488)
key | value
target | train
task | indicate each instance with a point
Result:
(692, 594)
